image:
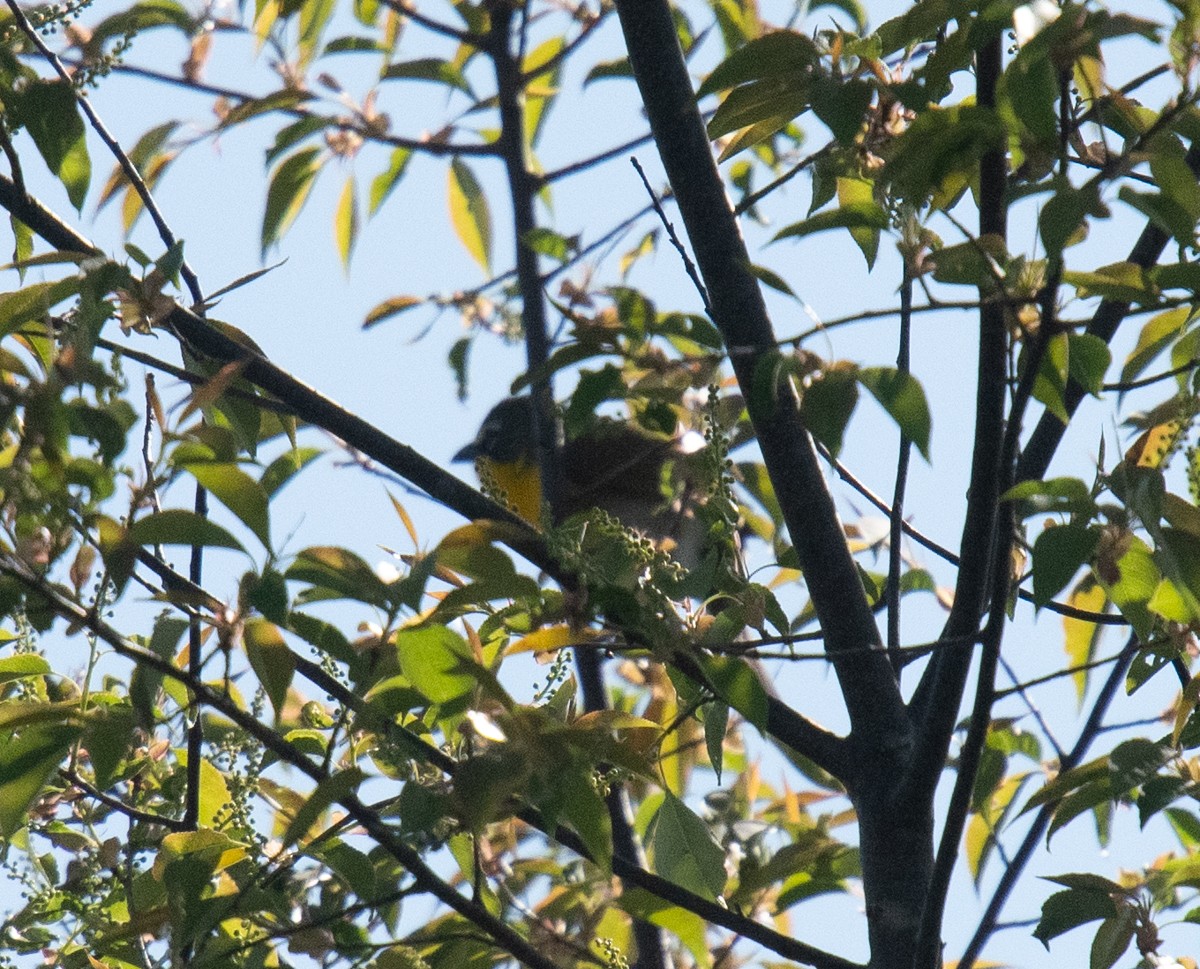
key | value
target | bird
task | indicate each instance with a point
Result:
(644, 480)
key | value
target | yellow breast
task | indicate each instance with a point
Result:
(518, 483)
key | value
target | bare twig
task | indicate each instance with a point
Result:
(688, 266)
(116, 804)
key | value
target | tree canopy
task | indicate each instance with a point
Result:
(344, 753)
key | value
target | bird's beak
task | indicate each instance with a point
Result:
(469, 453)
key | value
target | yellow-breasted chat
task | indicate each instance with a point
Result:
(637, 477)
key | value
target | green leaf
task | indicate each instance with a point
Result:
(1088, 359)
(1123, 281)
(144, 682)
(547, 242)
(619, 68)
(437, 661)
(738, 685)
(429, 69)
(1130, 581)
(687, 926)
(271, 660)
(762, 107)
(684, 849)
(288, 99)
(941, 150)
(383, 183)
(177, 526)
(1058, 554)
(903, 398)
(22, 666)
(1052, 496)
(1069, 909)
(827, 405)
(587, 813)
(109, 739)
(289, 188)
(393, 306)
(238, 492)
(214, 792)
(328, 792)
(314, 16)
(1112, 939)
(469, 213)
(33, 302)
(49, 112)
(338, 573)
(1080, 637)
(772, 279)
(345, 223)
(325, 636)
(841, 104)
(716, 722)
(351, 865)
(1050, 385)
(26, 762)
(859, 192)
(1156, 335)
(857, 215)
(781, 53)
(280, 471)
(1063, 219)
(1164, 211)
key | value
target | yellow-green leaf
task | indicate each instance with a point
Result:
(469, 213)
(345, 222)
(270, 659)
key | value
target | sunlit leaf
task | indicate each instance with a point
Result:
(437, 661)
(238, 492)
(289, 188)
(383, 183)
(177, 526)
(469, 213)
(1081, 637)
(270, 659)
(903, 398)
(345, 223)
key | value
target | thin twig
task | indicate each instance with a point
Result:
(426, 879)
(574, 168)
(755, 197)
(406, 9)
(896, 515)
(1061, 608)
(134, 814)
(1033, 836)
(1019, 689)
(688, 265)
(127, 165)
(366, 132)
(1124, 385)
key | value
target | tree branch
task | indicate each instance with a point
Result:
(935, 704)
(1033, 836)
(872, 696)
(1048, 434)
(427, 880)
